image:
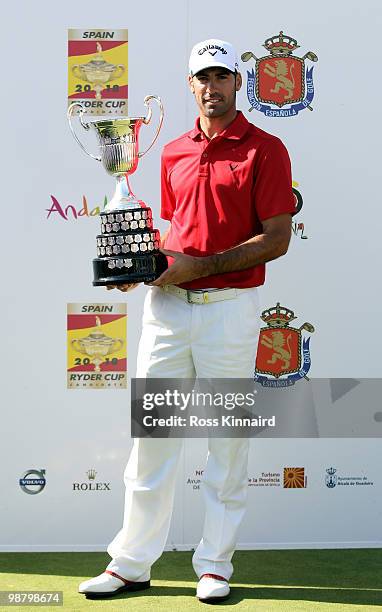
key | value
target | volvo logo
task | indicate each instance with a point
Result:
(33, 481)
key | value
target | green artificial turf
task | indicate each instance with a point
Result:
(280, 581)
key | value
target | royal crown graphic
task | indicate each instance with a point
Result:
(91, 474)
(283, 354)
(280, 78)
(278, 316)
(281, 45)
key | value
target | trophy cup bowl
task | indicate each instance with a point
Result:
(128, 246)
(97, 345)
(98, 72)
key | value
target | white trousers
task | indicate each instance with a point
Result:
(182, 340)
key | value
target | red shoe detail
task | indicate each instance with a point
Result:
(212, 576)
(127, 582)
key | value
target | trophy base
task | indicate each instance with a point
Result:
(126, 270)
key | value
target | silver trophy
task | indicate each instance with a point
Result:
(128, 247)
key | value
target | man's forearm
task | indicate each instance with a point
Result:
(272, 243)
(255, 251)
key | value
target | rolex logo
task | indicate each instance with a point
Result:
(92, 485)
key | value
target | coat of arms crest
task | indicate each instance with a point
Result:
(283, 355)
(331, 478)
(280, 78)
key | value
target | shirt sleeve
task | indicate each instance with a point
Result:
(273, 193)
(167, 195)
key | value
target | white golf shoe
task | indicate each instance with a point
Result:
(109, 584)
(212, 588)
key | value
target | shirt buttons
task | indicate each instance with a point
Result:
(205, 155)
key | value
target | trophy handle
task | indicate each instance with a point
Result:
(76, 72)
(120, 341)
(76, 348)
(85, 125)
(147, 119)
(121, 69)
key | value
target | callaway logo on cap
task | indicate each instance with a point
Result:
(213, 53)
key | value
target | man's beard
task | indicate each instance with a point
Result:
(220, 109)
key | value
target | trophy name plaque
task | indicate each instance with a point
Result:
(128, 246)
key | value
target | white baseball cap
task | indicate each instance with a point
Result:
(213, 53)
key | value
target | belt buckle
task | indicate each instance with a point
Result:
(203, 295)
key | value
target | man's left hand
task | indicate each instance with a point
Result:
(185, 268)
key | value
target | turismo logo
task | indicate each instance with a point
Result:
(288, 478)
(294, 478)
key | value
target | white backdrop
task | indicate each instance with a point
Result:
(330, 280)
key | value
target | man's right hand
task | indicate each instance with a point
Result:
(123, 288)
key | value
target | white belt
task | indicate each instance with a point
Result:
(200, 296)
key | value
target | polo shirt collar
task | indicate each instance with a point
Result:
(234, 131)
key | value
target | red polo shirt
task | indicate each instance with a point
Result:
(217, 192)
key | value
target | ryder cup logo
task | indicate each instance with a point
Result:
(283, 354)
(280, 79)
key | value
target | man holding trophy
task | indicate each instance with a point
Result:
(227, 193)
